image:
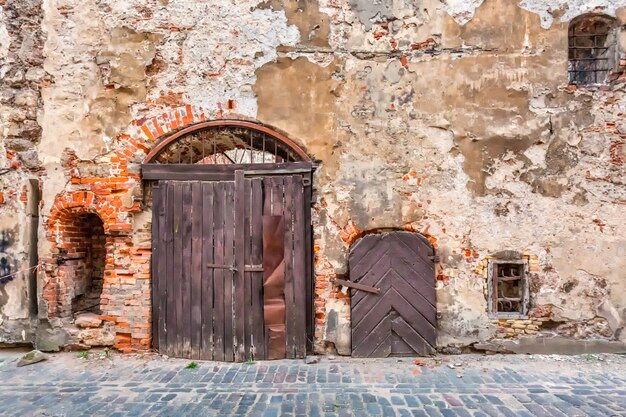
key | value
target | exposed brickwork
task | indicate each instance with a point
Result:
(75, 285)
(111, 194)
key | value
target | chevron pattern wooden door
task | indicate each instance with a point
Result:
(401, 319)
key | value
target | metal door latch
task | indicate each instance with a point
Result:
(216, 266)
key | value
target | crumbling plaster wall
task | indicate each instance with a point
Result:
(451, 118)
(21, 78)
(455, 120)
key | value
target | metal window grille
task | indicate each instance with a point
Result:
(591, 50)
(226, 145)
(508, 288)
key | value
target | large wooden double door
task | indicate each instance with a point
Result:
(231, 265)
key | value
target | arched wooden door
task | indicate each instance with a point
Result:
(231, 244)
(393, 300)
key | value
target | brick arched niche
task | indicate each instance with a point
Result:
(85, 237)
(76, 287)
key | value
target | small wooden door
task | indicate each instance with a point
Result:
(229, 266)
(394, 303)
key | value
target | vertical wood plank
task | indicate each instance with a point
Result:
(207, 273)
(185, 321)
(290, 306)
(239, 297)
(256, 258)
(278, 210)
(196, 269)
(277, 196)
(157, 244)
(267, 211)
(310, 282)
(178, 267)
(170, 298)
(165, 237)
(299, 268)
(273, 285)
(229, 244)
(218, 274)
(247, 276)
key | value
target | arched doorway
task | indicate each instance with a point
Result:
(232, 262)
(393, 299)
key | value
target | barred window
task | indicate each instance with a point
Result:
(592, 49)
(508, 287)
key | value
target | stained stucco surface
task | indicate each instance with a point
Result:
(450, 118)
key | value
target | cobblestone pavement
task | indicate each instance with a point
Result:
(464, 385)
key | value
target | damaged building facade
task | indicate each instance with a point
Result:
(462, 164)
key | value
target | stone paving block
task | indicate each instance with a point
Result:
(140, 390)
(432, 411)
(555, 412)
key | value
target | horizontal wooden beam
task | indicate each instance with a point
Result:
(219, 172)
(356, 286)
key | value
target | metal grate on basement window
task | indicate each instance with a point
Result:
(508, 288)
(591, 49)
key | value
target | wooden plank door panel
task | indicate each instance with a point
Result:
(218, 273)
(288, 255)
(299, 260)
(170, 319)
(273, 286)
(196, 269)
(207, 336)
(177, 331)
(256, 330)
(284, 200)
(184, 322)
(229, 260)
(157, 263)
(239, 253)
(400, 319)
(231, 268)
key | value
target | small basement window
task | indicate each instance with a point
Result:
(592, 50)
(508, 287)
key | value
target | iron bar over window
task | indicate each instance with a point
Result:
(592, 49)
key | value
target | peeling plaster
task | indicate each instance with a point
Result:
(566, 10)
(462, 11)
(4, 36)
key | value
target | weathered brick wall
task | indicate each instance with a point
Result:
(111, 189)
(445, 119)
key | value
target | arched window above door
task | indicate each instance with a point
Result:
(226, 142)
